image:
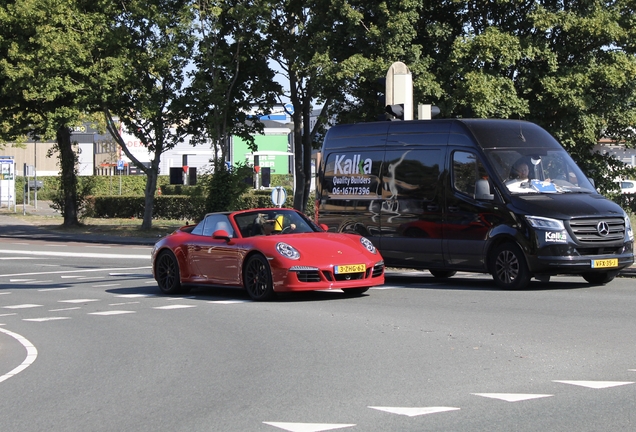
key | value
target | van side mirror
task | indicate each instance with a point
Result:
(482, 190)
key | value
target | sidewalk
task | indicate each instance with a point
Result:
(12, 226)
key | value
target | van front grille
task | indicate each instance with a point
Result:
(593, 231)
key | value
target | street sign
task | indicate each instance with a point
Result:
(279, 196)
(120, 165)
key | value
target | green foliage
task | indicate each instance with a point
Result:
(225, 187)
(85, 187)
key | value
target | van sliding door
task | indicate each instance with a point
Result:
(411, 210)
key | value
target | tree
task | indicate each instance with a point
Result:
(152, 42)
(232, 81)
(568, 66)
(51, 73)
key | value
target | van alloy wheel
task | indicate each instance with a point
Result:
(508, 267)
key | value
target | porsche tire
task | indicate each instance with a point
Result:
(257, 278)
(167, 273)
(354, 292)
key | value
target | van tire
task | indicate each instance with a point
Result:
(508, 267)
(599, 278)
(442, 274)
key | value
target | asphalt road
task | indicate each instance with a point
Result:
(88, 343)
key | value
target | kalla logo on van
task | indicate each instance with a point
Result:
(353, 165)
(556, 237)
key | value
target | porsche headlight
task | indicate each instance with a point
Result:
(287, 251)
(367, 244)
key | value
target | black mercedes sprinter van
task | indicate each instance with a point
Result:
(492, 196)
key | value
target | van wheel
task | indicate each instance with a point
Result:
(599, 278)
(442, 274)
(508, 267)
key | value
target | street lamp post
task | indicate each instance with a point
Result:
(35, 170)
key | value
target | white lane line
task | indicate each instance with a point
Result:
(46, 319)
(512, 397)
(595, 384)
(99, 247)
(22, 306)
(124, 303)
(21, 243)
(134, 295)
(70, 276)
(32, 354)
(308, 427)
(181, 306)
(5, 292)
(9, 314)
(76, 254)
(415, 411)
(75, 271)
(77, 300)
(150, 281)
(21, 280)
(16, 258)
(38, 282)
(64, 309)
(51, 289)
(115, 312)
(106, 285)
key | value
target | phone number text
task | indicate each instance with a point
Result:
(352, 190)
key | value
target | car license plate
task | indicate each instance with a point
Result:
(352, 268)
(605, 263)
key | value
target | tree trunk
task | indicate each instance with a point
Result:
(151, 187)
(68, 161)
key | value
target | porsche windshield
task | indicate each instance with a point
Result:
(541, 171)
(274, 221)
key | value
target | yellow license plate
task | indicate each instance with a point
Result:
(606, 263)
(352, 268)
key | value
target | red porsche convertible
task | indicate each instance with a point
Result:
(265, 251)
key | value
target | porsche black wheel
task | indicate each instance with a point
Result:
(508, 267)
(354, 292)
(167, 273)
(599, 278)
(257, 278)
(442, 274)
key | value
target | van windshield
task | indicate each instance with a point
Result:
(542, 171)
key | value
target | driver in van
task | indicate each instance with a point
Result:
(520, 172)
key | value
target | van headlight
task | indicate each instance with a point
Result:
(545, 223)
(628, 229)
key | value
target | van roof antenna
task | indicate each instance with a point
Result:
(521, 134)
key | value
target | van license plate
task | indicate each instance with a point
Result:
(352, 268)
(605, 263)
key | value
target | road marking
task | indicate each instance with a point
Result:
(64, 309)
(307, 427)
(413, 412)
(46, 319)
(106, 285)
(76, 254)
(70, 277)
(16, 258)
(595, 384)
(115, 312)
(9, 314)
(32, 354)
(124, 303)
(512, 397)
(51, 289)
(134, 295)
(22, 306)
(77, 300)
(181, 306)
(5, 292)
(21, 280)
(74, 271)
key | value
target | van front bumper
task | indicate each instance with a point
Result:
(567, 259)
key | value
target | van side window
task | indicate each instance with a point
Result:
(412, 174)
(467, 169)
